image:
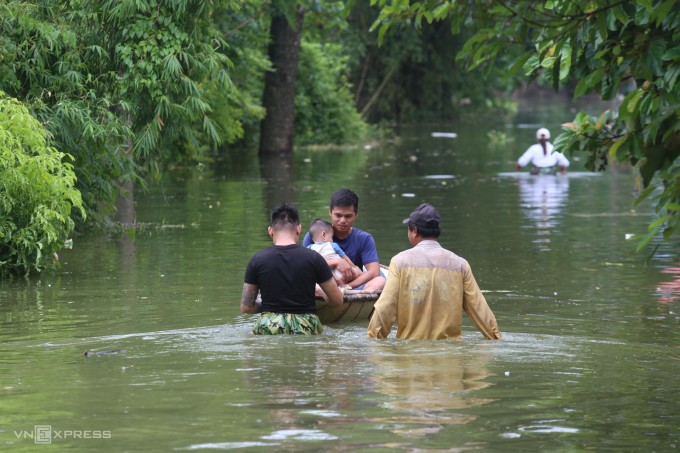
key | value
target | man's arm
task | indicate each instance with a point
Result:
(332, 291)
(385, 309)
(477, 309)
(372, 271)
(248, 297)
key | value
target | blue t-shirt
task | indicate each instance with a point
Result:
(359, 246)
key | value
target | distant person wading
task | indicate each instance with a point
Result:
(541, 156)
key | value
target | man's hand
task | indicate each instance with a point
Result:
(346, 270)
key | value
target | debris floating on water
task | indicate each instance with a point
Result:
(445, 134)
(107, 352)
(439, 177)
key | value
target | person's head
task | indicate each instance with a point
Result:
(345, 198)
(344, 209)
(321, 231)
(423, 222)
(284, 217)
(543, 134)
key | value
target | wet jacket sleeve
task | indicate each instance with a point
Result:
(385, 309)
(477, 309)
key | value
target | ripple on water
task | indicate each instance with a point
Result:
(299, 434)
(547, 429)
(229, 445)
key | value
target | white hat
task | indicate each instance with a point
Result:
(542, 133)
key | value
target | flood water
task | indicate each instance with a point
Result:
(589, 360)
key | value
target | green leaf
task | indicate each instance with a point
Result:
(658, 222)
(520, 62)
(613, 151)
(441, 11)
(671, 54)
(630, 102)
(548, 62)
(660, 12)
(620, 14)
(531, 65)
(565, 61)
(582, 87)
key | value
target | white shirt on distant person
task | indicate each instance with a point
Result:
(534, 155)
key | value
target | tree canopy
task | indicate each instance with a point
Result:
(614, 48)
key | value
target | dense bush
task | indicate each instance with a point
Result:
(37, 193)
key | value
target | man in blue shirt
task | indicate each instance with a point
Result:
(357, 244)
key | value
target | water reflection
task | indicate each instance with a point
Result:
(277, 172)
(542, 198)
(428, 386)
(669, 291)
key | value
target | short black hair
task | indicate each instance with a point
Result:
(431, 232)
(284, 214)
(345, 198)
(319, 225)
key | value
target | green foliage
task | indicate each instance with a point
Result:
(159, 57)
(625, 48)
(37, 192)
(42, 64)
(123, 86)
(246, 33)
(413, 75)
(324, 107)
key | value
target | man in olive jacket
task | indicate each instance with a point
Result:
(428, 288)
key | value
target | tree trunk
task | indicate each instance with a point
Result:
(276, 130)
(126, 213)
(125, 204)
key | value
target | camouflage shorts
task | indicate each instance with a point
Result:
(287, 323)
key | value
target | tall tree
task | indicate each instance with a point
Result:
(276, 133)
(599, 45)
